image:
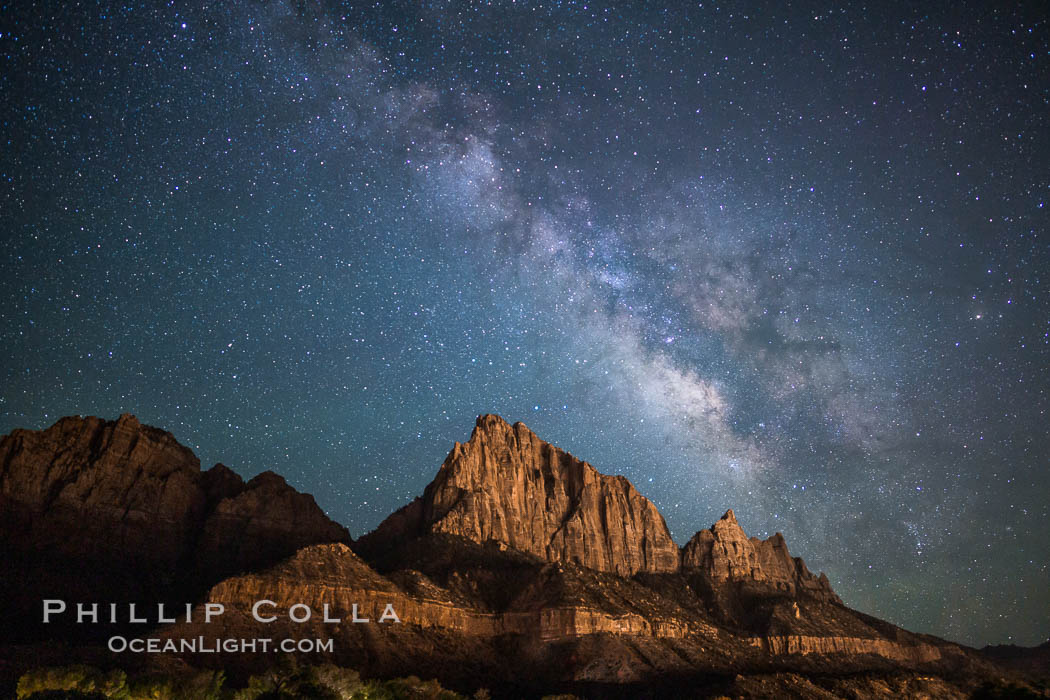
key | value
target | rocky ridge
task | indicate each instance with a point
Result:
(519, 561)
(508, 486)
(726, 554)
(128, 508)
(556, 622)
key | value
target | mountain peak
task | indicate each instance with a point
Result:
(509, 486)
(128, 419)
(725, 553)
(491, 426)
(486, 420)
(95, 487)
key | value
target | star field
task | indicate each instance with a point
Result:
(790, 260)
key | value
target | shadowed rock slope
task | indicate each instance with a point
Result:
(110, 511)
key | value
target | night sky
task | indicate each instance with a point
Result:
(792, 260)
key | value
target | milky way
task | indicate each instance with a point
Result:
(791, 261)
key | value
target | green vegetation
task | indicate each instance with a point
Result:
(75, 681)
(286, 681)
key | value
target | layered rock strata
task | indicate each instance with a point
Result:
(911, 654)
(333, 576)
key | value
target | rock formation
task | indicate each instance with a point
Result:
(262, 521)
(93, 487)
(519, 564)
(507, 485)
(725, 553)
(120, 491)
(467, 611)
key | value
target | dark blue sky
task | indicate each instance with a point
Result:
(791, 260)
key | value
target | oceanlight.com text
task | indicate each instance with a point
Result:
(230, 645)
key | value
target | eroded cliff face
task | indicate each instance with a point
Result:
(119, 490)
(913, 654)
(725, 553)
(94, 487)
(263, 521)
(558, 623)
(518, 561)
(333, 576)
(507, 485)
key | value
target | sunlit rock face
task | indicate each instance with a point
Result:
(507, 485)
(725, 553)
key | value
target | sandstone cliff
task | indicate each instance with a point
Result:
(725, 553)
(122, 491)
(333, 576)
(554, 623)
(518, 563)
(507, 485)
